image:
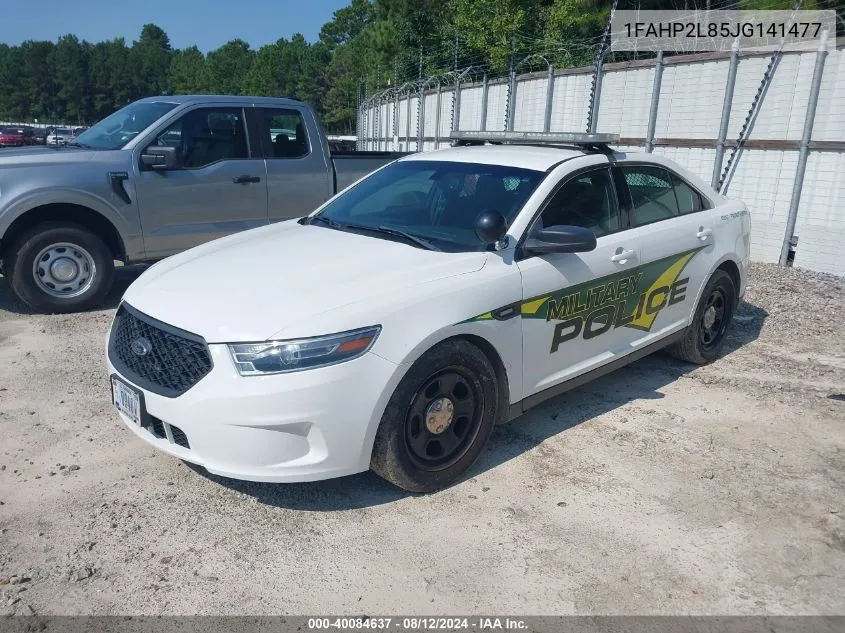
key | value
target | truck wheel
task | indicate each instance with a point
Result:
(704, 338)
(60, 268)
(438, 420)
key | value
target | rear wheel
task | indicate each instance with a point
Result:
(60, 268)
(704, 338)
(439, 418)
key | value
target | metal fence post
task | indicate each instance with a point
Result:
(804, 152)
(456, 107)
(395, 141)
(655, 102)
(594, 106)
(437, 118)
(421, 119)
(408, 121)
(485, 88)
(726, 115)
(511, 105)
(550, 93)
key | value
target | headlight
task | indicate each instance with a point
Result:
(277, 357)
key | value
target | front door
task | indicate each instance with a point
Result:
(220, 187)
(577, 307)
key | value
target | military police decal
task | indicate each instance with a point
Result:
(632, 298)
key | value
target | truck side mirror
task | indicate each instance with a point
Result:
(161, 158)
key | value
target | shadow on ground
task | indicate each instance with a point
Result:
(123, 277)
(641, 380)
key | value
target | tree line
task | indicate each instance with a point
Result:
(365, 47)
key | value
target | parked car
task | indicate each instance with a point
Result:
(396, 325)
(16, 136)
(59, 136)
(157, 177)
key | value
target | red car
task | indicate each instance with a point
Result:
(16, 136)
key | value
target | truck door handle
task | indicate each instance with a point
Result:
(242, 180)
(703, 233)
(622, 256)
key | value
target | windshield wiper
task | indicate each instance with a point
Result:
(389, 230)
(384, 230)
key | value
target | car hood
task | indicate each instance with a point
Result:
(43, 155)
(252, 285)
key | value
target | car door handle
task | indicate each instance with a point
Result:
(622, 257)
(703, 233)
(242, 180)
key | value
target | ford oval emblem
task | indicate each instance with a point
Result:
(141, 346)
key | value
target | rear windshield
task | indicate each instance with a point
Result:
(436, 200)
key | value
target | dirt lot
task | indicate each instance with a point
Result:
(660, 489)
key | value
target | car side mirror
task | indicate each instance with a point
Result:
(491, 226)
(161, 158)
(560, 238)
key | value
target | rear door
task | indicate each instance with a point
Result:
(673, 224)
(221, 187)
(298, 176)
(576, 305)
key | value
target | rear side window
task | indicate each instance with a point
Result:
(689, 200)
(283, 133)
(652, 193)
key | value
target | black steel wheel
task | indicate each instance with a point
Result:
(704, 338)
(444, 418)
(438, 419)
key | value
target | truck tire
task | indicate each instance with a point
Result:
(704, 338)
(438, 420)
(55, 267)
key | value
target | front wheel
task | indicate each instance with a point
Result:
(60, 268)
(438, 420)
(704, 338)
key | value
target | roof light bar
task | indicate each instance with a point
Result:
(576, 138)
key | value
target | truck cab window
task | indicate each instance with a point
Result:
(206, 136)
(283, 133)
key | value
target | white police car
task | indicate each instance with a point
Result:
(444, 293)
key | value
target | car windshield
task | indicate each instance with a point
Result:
(437, 201)
(117, 129)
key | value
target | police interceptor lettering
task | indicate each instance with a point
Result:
(394, 326)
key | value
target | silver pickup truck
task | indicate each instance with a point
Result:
(157, 177)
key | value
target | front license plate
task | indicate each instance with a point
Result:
(127, 400)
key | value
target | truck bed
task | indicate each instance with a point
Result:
(351, 166)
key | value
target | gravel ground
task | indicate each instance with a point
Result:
(660, 489)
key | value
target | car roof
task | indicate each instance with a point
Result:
(235, 99)
(543, 158)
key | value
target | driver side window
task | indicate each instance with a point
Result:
(207, 135)
(588, 200)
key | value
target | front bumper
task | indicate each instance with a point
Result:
(302, 426)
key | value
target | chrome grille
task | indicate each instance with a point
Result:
(156, 356)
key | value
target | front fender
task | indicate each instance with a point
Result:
(102, 200)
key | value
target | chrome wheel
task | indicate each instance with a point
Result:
(64, 270)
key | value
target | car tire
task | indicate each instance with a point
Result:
(704, 338)
(439, 418)
(73, 260)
